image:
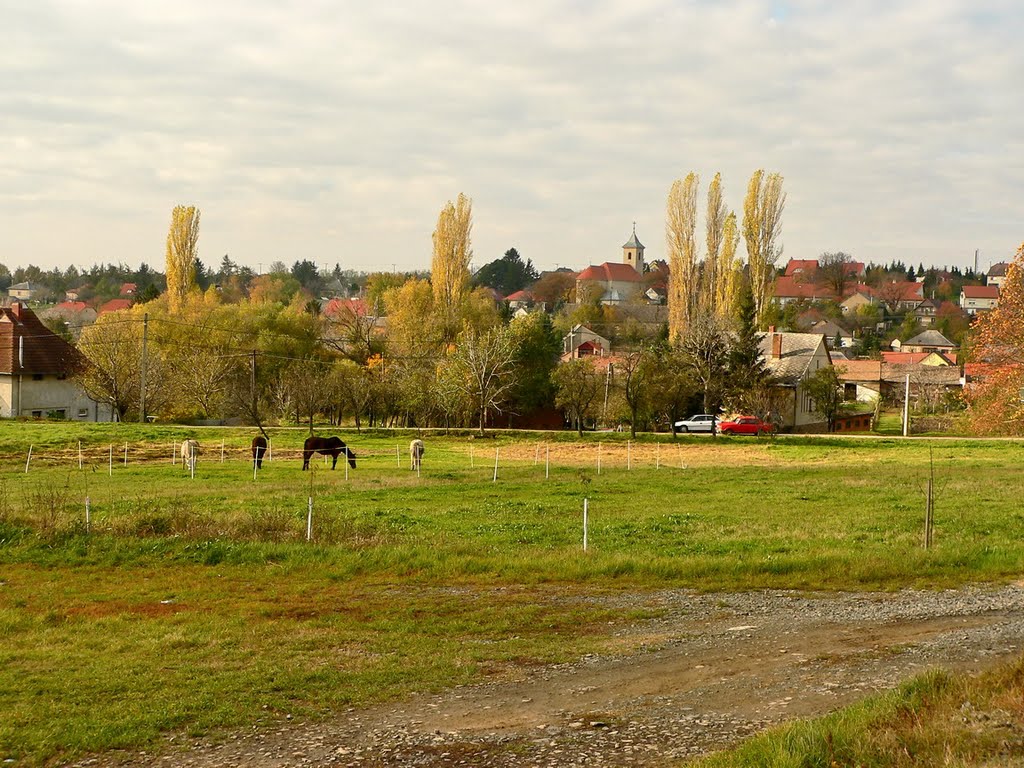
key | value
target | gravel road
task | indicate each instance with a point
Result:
(711, 670)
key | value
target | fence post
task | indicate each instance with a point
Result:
(174, 452)
(598, 458)
(398, 456)
(496, 464)
(79, 454)
(585, 504)
(471, 464)
(657, 459)
(221, 451)
(629, 454)
(547, 461)
(88, 520)
(309, 520)
(270, 449)
(29, 459)
(126, 454)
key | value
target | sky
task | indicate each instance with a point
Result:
(335, 131)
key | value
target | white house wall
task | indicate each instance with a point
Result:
(41, 397)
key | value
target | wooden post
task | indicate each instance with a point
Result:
(496, 464)
(398, 456)
(221, 451)
(629, 454)
(29, 459)
(585, 504)
(126, 454)
(471, 464)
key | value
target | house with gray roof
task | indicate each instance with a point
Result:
(790, 359)
(928, 341)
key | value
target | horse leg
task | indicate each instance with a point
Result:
(334, 455)
(305, 459)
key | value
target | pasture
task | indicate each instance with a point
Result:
(189, 604)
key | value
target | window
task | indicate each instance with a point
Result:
(37, 414)
(83, 413)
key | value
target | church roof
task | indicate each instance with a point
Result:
(610, 271)
(633, 242)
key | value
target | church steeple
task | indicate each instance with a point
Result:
(633, 252)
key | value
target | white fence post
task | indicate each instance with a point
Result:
(496, 465)
(547, 461)
(29, 459)
(110, 460)
(309, 520)
(79, 454)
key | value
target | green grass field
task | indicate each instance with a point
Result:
(191, 604)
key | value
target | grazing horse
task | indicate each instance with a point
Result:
(329, 446)
(259, 450)
(415, 455)
(189, 452)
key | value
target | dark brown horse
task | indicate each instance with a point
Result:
(259, 450)
(329, 446)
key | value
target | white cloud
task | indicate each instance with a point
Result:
(335, 131)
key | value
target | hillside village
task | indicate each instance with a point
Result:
(599, 332)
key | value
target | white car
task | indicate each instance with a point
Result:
(701, 422)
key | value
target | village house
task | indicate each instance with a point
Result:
(790, 359)
(928, 341)
(580, 341)
(26, 291)
(36, 368)
(997, 274)
(979, 298)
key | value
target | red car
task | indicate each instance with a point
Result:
(745, 425)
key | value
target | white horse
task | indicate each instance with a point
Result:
(415, 454)
(189, 453)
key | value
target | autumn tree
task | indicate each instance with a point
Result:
(997, 347)
(482, 367)
(672, 386)
(730, 278)
(826, 393)
(182, 253)
(633, 373)
(705, 357)
(715, 267)
(762, 225)
(449, 267)
(834, 271)
(680, 229)
(576, 387)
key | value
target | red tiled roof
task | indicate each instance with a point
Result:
(520, 296)
(128, 289)
(788, 287)
(72, 306)
(981, 291)
(801, 265)
(335, 307)
(23, 335)
(115, 305)
(610, 271)
(903, 358)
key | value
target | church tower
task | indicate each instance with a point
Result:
(633, 252)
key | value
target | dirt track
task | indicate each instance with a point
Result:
(710, 671)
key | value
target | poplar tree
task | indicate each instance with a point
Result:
(762, 225)
(680, 226)
(714, 225)
(449, 267)
(182, 252)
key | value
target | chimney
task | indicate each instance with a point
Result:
(16, 309)
(771, 329)
(776, 346)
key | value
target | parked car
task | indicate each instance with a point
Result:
(701, 422)
(746, 425)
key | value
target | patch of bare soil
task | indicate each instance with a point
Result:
(712, 670)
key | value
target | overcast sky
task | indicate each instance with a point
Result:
(334, 131)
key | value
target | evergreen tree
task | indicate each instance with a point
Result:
(747, 372)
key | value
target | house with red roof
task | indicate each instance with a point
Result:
(979, 298)
(128, 289)
(36, 371)
(115, 305)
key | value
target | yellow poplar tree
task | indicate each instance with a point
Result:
(680, 226)
(762, 225)
(182, 250)
(449, 267)
(714, 225)
(730, 271)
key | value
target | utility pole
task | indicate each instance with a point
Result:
(255, 414)
(142, 378)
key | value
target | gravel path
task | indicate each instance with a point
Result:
(711, 670)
